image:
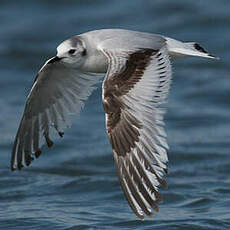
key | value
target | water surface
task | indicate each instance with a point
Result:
(74, 184)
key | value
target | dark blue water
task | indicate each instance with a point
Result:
(74, 185)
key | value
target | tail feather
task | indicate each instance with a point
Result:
(181, 49)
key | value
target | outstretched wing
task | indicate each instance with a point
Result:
(135, 87)
(58, 90)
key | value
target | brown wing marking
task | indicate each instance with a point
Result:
(123, 128)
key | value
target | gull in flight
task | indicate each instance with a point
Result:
(138, 74)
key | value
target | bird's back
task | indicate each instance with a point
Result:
(125, 39)
(128, 40)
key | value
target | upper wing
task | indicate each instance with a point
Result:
(57, 91)
(135, 87)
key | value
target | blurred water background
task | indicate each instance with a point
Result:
(74, 184)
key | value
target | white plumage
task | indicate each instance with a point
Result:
(138, 76)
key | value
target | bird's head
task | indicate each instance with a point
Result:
(72, 51)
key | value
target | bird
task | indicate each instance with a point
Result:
(137, 75)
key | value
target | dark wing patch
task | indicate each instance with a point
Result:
(124, 124)
(132, 72)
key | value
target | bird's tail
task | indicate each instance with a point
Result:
(181, 49)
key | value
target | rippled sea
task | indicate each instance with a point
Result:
(74, 184)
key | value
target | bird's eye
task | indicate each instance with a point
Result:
(84, 52)
(72, 51)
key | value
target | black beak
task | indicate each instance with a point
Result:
(54, 59)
